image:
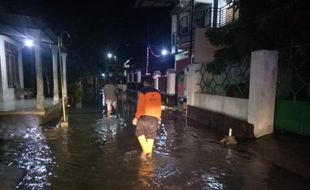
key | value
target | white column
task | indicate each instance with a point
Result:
(263, 80)
(36, 35)
(156, 82)
(128, 78)
(171, 81)
(192, 79)
(138, 76)
(20, 68)
(156, 76)
(55, 74)
(174, 21)
(64, 70)
(3, 82)
(132, 77)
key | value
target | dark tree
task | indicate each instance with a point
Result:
(263, 24)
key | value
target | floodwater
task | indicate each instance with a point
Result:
(98, 154)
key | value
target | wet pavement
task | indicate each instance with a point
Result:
(96, 154)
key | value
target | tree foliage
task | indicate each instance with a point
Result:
(262, 24)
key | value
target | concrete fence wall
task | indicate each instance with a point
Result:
(258, 110)
(235, 107)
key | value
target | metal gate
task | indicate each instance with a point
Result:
(292, 111)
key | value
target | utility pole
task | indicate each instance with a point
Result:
(147, 59)
(64, 122)
(191, 30)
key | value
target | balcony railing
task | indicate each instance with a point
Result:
(204, 19)
(227, 14)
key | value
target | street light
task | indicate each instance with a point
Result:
(149, 50)
(28, 42)
(109, 55)
(164, 52)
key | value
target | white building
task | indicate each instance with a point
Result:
(194, 43)
(14, 30)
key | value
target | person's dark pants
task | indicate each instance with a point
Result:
(147, 126)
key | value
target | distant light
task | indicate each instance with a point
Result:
(164, 52)
(103, 75)
(163, 107)
(28, 42)
(109, 55)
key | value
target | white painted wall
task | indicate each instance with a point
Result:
(258, 109)
(234, 107)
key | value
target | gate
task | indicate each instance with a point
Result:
(292, 111)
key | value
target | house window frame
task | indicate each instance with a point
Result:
(12, 66)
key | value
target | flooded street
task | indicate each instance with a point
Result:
(96, 154)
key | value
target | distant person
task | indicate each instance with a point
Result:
(102, 101)
(122, 88)
(110, 97)
(79, 95)
(147, 116)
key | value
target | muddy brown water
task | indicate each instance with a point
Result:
(99, 154)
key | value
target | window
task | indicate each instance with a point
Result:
(11, 54)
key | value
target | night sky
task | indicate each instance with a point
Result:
(97, 27)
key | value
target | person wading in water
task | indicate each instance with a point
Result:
(147, 116)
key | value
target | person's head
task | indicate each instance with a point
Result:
(148, 80)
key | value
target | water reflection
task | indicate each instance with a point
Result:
(211, 182)
(107, 129)
(146, 173)
(161, 141)
(34, 156)
(36, 159)
(60, 146)
(104, 154)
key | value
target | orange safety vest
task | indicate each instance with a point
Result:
(149, 103)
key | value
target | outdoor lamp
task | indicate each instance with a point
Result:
(109, 55)
(164, 52)
(28, 42)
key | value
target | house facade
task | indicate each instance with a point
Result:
(11, 76)
(186, 42)
(16, 33)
